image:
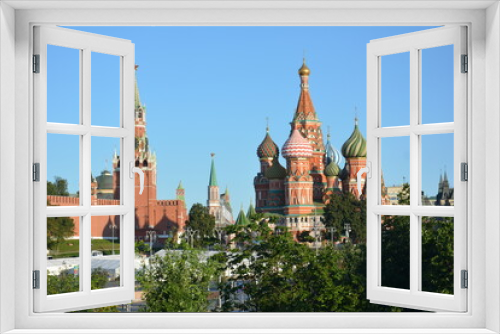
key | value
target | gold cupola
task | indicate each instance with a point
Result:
(304, 70)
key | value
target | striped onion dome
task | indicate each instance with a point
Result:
(276, 171)
(332, 169)
(268, 148)
(355, 146)
(296, 146)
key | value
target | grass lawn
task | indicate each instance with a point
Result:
(70, 248)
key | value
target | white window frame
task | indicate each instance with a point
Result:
(86, 44)
(414, 43)
(483, 20)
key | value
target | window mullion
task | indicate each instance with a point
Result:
(414, 169)
(86, 186)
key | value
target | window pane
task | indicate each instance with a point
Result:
(396, 252)
(105, 252)
(105, 90)
(63, 85)
(395, 181)
(63, 170)
(105, 171)
(437, 84)
(437, 170)
(437, 254)
(63, 255)
(395, 89)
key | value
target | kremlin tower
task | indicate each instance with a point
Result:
(300, 191)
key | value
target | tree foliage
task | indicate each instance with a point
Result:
(58, 229)
(178, 282)
(346, 209)
(202, 222)
(59, 187)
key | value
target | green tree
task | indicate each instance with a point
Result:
(203, 222)
(346, 209)
(141, 247)
(58, 229)
(437, 254)
(178, 282)
(58, 187)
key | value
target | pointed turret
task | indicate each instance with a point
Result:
(242, 218)
(180, 192)
(136, 91)
(213, 176)
(305, 108)
(214, 200)
(251, 211)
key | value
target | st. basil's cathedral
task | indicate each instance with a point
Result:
(300, 191)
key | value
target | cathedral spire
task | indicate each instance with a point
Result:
(305, 109)
(136, 92)
(213, 176)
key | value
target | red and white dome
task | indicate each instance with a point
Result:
(296, 146)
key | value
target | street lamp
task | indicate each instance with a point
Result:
(190, 233)
(317, 235)
(113, 227)
(151, 235)
(218, 233)
(332, 230)
(347, 228)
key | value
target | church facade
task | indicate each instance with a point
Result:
(300, 190)
(166, 217)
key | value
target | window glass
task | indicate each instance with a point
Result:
(395, 89)
(106, 96)
(63, 255)
(437, 84)
(63, 170)
(63, 85)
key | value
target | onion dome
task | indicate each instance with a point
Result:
(297, 146)
(276, 171)
(355, 146)
(332, 154)
(332, 169)
(304, 70)
(268, 148)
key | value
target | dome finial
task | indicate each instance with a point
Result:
(267, 124)
(328, 132)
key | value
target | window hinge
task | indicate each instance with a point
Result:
(465, 279)
(465, 64)
(36, 172)
(36, 279)
(464, 171)
(36, 63)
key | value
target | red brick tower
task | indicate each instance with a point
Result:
(307, 123)
(298, 153)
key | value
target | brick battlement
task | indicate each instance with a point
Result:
(63, 200)
(168, 202)
(106, 202)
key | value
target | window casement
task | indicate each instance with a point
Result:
(421, 130)
(84, 132)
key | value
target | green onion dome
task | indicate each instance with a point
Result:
(332, 169)
(268, 148)
(276, 171)
(355, 146)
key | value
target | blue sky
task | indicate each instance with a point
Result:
(210, 89)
